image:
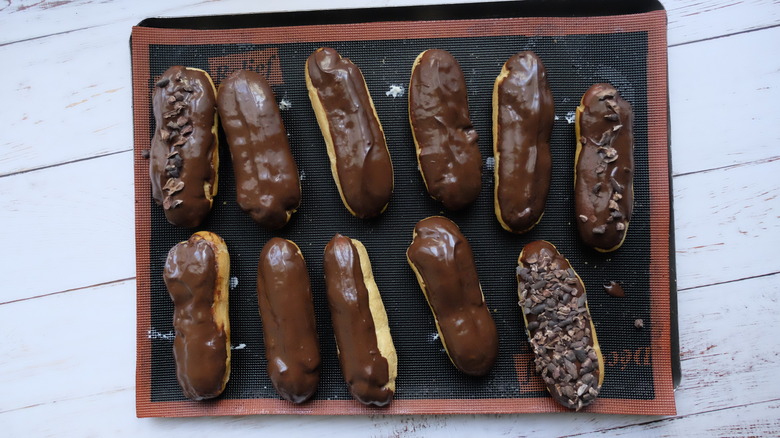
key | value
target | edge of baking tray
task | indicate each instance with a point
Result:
(496, 9)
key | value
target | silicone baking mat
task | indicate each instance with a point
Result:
(627, 50)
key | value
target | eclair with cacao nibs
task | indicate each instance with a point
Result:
(559, 326)
(184, 157)
(604, 168)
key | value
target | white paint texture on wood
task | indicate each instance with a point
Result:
(727, 223)
(724, 98)
(69, 357)
(67, 226)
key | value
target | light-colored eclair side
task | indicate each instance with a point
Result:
(365, 346)
(559, 325)
(523, 116)
(184, 154)
(445, 140)
(266, 175)
(604, 168)
(355, 141)
(442, 261)
(196, 275)
(289, 329)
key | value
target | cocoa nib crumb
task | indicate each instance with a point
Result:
(145, 153)
(163, 82)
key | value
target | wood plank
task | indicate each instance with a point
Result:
(726, 223)
(724, 105)
(55, 358)
(695, 20)
(68, 227)
(67, 345)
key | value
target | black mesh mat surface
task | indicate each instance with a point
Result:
(573, 62)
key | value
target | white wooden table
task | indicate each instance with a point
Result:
(67, 297)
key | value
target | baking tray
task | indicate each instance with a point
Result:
(603, 41)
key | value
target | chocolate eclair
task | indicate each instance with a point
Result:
(445, 139)
(523, 115)
(196, 275)
(267, 184)
(443, 263)
(183, 159)
(365, 347)
(559, 326)
(604, 168)
(287, 312)
(359, 158)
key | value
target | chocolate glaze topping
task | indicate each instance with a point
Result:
(365, 369)
(183, 159)
(603, 189)
(554, 305)
(267, 185)
(289, 330)
(446, 141)
(524, 112)
(200, 346)
(442, 259)
(363, 170)
(615, 289)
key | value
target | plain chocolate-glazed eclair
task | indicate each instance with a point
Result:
(604, 168)
(287, 312)
(523, 115)
(365, 347)
(443, 263)
(267, 185)
(359, 158)
(183, 159)
(196, 275)
(445, 139)
(559, 326)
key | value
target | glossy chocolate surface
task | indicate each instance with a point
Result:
(559, 325)
(444, 262)
(267, 185)
(604, 185)
(447, 150)
(200, 346)
(182, 155)
(365, 369)
(287, 312)
(363, 170)
(524, 117)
